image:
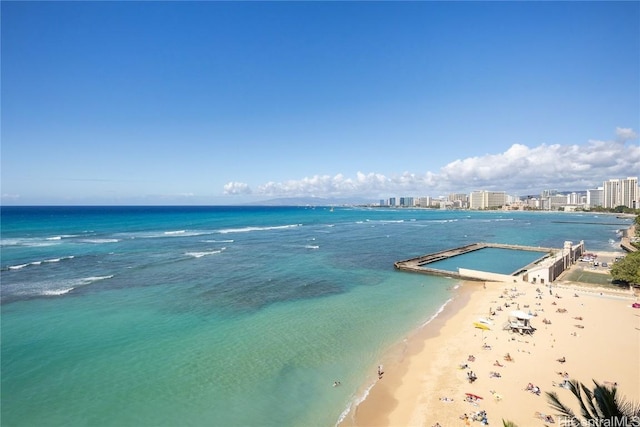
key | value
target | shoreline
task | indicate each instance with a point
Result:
(379, 394)
(394, 361)
(423, 385)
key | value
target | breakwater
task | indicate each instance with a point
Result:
(551, 264)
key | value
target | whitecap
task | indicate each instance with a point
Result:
(60, 237)
(59, 259)
(204, 253)
(36, 263)
(51, 288)
(162, 234)
(28, 241)
(91, 279)
(57, 292)
(248, 229)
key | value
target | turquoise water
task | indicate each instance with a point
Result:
(494, 260)
(229, 316)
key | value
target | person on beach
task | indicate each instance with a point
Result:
(380, 372)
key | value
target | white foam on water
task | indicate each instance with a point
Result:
(440, 310)
(162, 234)
(57, 292)
(204, 253)
(357, 400)
(59, 259)
(353, 403)
(91, 279)
(248, 229)
(52, 288)
(36, 263)
(28, 241)
(100, 241)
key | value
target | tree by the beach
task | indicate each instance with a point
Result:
(627, 269)
(602, 404)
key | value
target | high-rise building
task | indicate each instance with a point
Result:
(620, 192)
(487, 199)
(406, 202)
(424, 202)
(595, 197)
(458, 200)
(630, 192)
(573, 198)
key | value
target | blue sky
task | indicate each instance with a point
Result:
(231, 102)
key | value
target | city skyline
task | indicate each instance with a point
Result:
(242, 102)
(613, 193)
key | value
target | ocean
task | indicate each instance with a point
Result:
(226, 316)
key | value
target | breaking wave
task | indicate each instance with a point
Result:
(248, 229)
(204, 253)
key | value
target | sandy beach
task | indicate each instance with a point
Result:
(595, 330)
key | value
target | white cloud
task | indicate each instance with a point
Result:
(625, 134)
(518, 170)
(236, 188)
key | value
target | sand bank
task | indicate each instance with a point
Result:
(596, 332)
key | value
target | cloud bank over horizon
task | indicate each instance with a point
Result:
(518, 170)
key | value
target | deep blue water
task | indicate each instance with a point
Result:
(230, 316)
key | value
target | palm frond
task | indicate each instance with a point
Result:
(555, 403)
(591, 413)
(601, 403)
(607, 401)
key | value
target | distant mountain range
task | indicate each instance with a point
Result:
(314, 201)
